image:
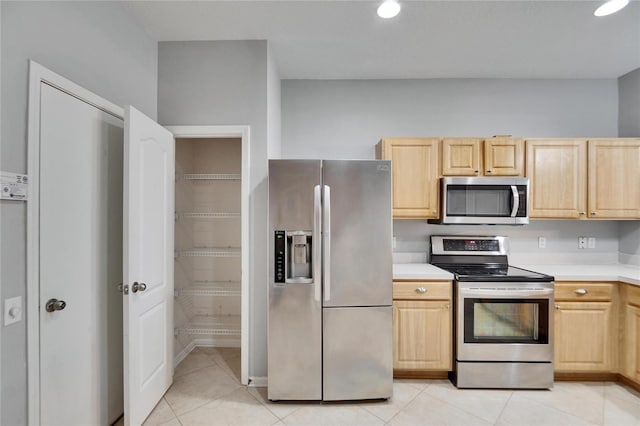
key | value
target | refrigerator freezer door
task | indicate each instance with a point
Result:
(358, 353)
(294, 318)
(359, 273)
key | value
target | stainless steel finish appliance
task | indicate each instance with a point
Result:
(503, 317)
(484, 200)
(330, 274)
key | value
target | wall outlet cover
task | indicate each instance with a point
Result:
(582, 242)
(542, 242)
(591, 242)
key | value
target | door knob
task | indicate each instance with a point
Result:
(55, 305)
(136, 286)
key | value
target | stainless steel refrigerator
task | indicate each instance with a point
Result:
(330, 280)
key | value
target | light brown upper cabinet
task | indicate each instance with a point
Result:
(497, 156)
(557, 169)
(614, 176)
(461, 157)
(415, 171)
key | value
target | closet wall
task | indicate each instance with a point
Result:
(207, 244)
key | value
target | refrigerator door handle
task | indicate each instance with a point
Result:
(317, 246)
(326, 242)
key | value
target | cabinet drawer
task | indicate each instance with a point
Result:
(422, 290)
(583, 291)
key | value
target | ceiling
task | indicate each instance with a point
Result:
(341, 39)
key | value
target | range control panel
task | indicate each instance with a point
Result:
(13, 186)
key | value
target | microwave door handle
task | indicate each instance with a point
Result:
(516, 200)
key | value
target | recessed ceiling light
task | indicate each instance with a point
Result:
(389, 9)
(612, 6)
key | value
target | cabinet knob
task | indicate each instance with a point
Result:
(593, 213)
(434, 211)
(421, 290)
(446, 306)
(557, 307)
(583, 213)
(477, 171)
(488, 171)
(582, 291)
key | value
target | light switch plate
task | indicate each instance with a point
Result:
(542, 242)
(591, 242)
(12, 310)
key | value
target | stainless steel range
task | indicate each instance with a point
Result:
(503, 317)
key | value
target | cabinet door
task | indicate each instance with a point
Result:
(631, 343)
(504, 157)
(614, 173)
(585, 336)
(557, 170)
(461, 157)
(415, 176)
(422, 335)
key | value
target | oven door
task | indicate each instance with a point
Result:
(504, 322)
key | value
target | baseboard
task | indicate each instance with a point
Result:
(217, 342)
(633, 385)
(586, 377)
(420, 374)
(177, 359)
(257, 382)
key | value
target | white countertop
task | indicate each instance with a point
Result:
(611, 272)
(419, 271)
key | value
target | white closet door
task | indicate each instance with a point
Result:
(148, 264)
(80, 261)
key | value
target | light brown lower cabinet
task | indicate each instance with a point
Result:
(421, 335)
(585, 327)
(585, 337)
(422, 326)
(630, 354)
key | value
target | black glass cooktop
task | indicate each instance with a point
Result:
(493, 273)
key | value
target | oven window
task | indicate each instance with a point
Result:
(506, 321)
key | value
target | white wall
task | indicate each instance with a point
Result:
(274, 119)
(218, 83)
(346, 118)
(412, 237)
(95, 44)
(629, 106)
(629, 125)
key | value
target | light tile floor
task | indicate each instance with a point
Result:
(207, 391)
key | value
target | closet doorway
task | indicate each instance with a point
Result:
(211, 240)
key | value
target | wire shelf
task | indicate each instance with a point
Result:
(210, 288)
(209, 252)
(210, 215)
(224, 325)
(209, 176)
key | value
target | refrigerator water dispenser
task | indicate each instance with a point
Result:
(293, 257)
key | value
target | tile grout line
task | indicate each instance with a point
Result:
(504, 407)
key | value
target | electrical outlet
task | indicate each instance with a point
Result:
(542, 242)
(582, 242)
(591, 242)
(12, 310)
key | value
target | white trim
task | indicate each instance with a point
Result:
(242, 132)
(177, 359)
(38, 75)
(258, 382)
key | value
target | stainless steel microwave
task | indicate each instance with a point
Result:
(484, 201)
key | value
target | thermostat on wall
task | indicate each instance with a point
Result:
(13, 186)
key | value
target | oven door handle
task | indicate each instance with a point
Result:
(492, 292)
(516, 200)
